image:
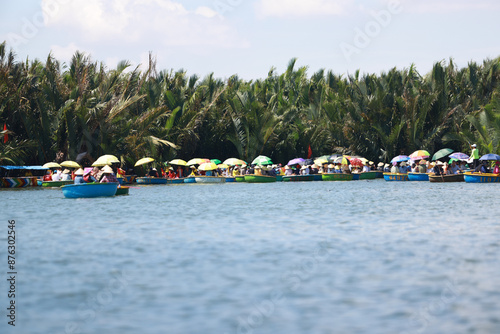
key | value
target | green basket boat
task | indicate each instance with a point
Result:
(368, 175)
(252, 178)
(240, 178)
(122, 191)
(337, 177)
(56, 183)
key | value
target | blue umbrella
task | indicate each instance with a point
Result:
(296, 161)
(459, 156)
(400, 158)
(490, 156)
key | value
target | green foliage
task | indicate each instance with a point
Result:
(53, 110)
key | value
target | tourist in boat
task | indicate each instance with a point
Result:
(496, 170)
(414, 168)
(366, 167)
(243, 170)
(66, 176)
(180, 172)
(453, 168)
(257, 170)
(331, 168)
(482, 168)
(79, 176)
(402, 168)
(56, 176)
(48, 176)
(108, 175)
(380, 167)
(89, 177)
(236, 171)
(387, 168)
(474, 156)
(438, 168)
(171, 173)
(194, 172)
(394, 168)
(153, 172)
(288, 171)
(422, 167)
(271, 171)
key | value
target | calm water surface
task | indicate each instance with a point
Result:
(312, 257)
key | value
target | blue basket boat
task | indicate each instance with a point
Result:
(418, 176)
(471, 177)
(89, 190)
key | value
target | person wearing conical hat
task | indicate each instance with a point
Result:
(331, 168)
(107, 175)
(79, 176)
(288, 171)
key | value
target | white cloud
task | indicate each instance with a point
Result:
(298, 8)
(151, 22)
(446, 6)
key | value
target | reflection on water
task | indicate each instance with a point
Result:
(312, 257)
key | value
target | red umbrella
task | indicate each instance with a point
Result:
(356, 162)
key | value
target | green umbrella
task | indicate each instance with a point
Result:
(442, 153)
(216, 161)
(262, 160)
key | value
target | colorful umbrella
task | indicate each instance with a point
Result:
(216, 161)
(459, 156)
(490, 156)
(223, 166)
(296, 161)
(234, 161)
(262, 160)
(442, 153)
(178, 162)
(342, 160)
(400, 158)
(51, 165)
(207, 166)
(197, 161)
(70, 164)
(143, 161)
(420, 154)
(104, 160)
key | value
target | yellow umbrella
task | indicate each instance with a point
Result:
(51, 165)
(178, 162)
(70, 164)
(104, 160)
(143, 161)
(197, 161)
(321, 161)
(207, 166)
(222, 166)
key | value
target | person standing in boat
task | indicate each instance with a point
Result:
(474, 156)
(108, 175)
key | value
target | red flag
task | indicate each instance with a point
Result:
(5, 136)
(309, 152)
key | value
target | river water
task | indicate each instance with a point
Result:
(311, 257)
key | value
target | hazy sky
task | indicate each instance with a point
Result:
(249, 37)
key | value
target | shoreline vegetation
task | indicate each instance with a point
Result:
(54, 111)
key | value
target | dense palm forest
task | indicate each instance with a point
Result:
(55, 111)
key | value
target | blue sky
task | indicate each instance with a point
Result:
(249, 37)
